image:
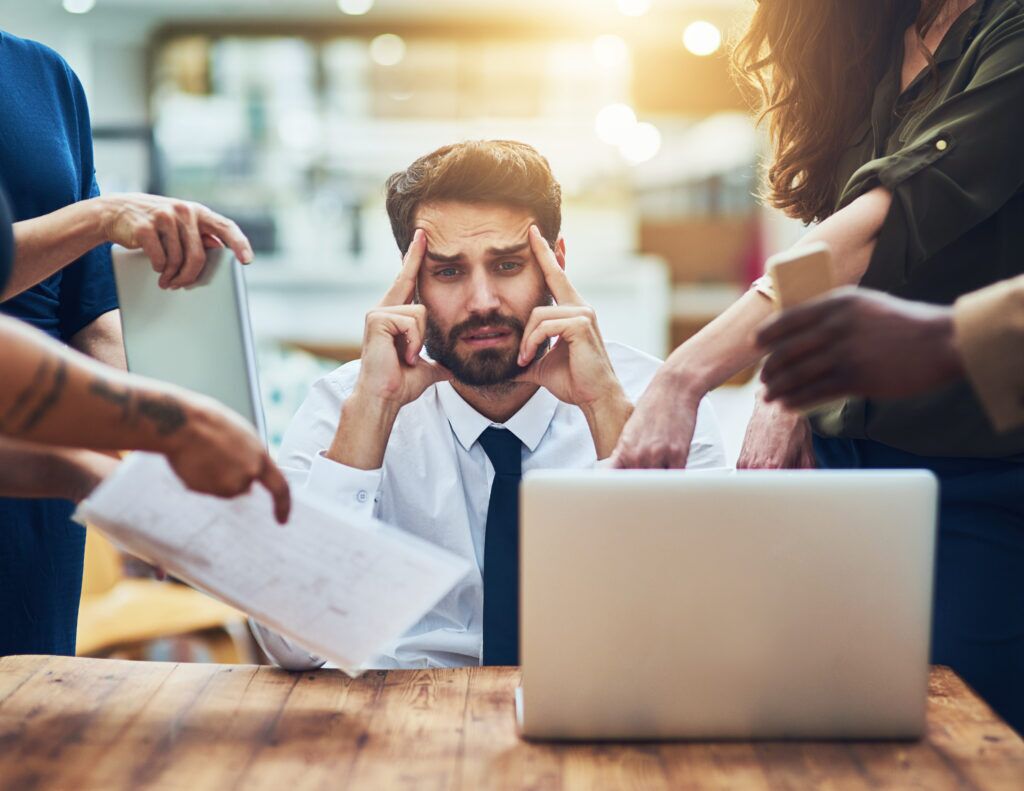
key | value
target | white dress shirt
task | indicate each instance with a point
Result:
(435, 482)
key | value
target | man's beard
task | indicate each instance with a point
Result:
(484, 368)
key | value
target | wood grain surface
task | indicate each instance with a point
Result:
(107, 724)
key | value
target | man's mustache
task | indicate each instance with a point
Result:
(493, 319)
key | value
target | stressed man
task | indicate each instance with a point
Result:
(481, 362)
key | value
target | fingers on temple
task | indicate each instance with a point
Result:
(404, 287)
(558, 283)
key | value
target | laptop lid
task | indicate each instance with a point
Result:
(662, 605)
(197, 337)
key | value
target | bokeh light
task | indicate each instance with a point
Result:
(634, 7)
(387, 49)
(355, 7)
(642, 143)
(79, 6)
(611, 51)
(702, 38)
(614, 123)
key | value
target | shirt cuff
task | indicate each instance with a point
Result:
(893, 170)
(282, 651)
(358, 490)
(989, 327)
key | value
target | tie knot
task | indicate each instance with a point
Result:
(504, 450)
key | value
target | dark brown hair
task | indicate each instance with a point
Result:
(477, 171)
(814, 65)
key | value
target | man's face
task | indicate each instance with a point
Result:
(479, 282)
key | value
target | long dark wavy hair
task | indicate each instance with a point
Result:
(814, 65)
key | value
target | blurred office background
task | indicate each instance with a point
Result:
(287, 115)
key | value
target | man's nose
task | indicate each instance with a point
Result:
(483, 297)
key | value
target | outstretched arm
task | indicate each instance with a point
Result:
(56, 396)
(42, 471)
(173, 233)
(659, 432)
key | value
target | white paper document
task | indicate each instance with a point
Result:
(338, 584)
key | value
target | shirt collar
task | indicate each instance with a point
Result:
(529, 424)
(953, 45)
(962, 32)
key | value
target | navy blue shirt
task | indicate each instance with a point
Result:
(46, 163)
(6, 240)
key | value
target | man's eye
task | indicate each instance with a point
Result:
(447, 272)
(510, 266)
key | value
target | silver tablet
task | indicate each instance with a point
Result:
(196, 337)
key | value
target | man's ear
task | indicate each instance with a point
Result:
(560, 252)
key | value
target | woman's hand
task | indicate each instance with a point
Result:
(659, 433)
(173, 233)
(776, 439)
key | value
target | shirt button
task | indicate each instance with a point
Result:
(361, 495)
(942, 145)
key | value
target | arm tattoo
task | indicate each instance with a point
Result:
(37, 400)
(164, 412)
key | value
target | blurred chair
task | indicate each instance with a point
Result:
(123, 616)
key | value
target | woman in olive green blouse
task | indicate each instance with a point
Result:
(897, 126)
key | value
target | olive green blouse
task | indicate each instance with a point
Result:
(951, 150)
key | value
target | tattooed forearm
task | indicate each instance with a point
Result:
(52, 397)
(37, 400)
(166, 414)
(23, 402)
(122, 397)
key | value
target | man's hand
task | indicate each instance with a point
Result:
(776, 439)
(173, 233)
(577, 369)
(858, 342)
(391, 372)
(216, 452)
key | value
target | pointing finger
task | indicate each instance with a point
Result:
(275, 483)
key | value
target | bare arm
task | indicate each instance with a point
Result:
(45, 245)
(36, 471)
(659, 433)
(727, 346)
(102, 340)
(392, 373)
(173, 233)
(55, 396)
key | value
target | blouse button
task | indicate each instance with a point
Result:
(941, 145)
(362, 496)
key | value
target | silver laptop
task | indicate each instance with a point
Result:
(197, 337)
(718, 605)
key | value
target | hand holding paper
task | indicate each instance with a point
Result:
(339, 585)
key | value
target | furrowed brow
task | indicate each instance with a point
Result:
(516, 248)
(437, 258)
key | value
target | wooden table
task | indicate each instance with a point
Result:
(93, 723)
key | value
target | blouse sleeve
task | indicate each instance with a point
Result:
(963, 161)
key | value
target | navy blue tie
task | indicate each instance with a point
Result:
(501, 548)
